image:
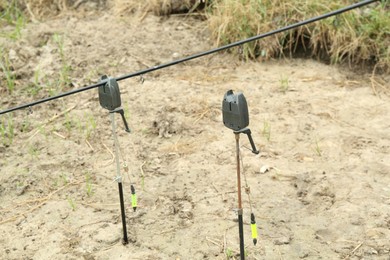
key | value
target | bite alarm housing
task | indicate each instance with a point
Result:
(235, 111)
(109, 94)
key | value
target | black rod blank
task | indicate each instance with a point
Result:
(198, 55)
(241, 234)
(123, 213)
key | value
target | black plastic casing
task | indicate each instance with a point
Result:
(235, 111)
(109, 94)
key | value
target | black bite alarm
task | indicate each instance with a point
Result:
(235, 111)
(110, 98)
(109, 94)
(236, 116)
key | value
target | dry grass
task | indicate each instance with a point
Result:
(360, 36)
(166, 7)
(39, 9)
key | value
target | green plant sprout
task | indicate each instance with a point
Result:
(317, 148)
(35, 87)
(61, 180)
(90, 126)
(229, 253)
(64, 75)
(7, 71)
(14, 16)
(64, 178)
(68, 123)
(33, 152)
(266, 130)
(88, 183)
(7, 131)
(72, 203)
(26, 125)
(284, 84)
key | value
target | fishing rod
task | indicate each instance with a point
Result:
(198, 55)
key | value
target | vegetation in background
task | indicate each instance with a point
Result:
(64, 74)
(7, 131)
(7, 79)
(11, 14)
(360, 36)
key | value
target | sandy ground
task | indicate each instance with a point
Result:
(321, 130)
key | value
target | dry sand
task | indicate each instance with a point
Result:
(322, 131)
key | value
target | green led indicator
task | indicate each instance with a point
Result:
(133, 198)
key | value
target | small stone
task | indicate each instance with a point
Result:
(264, 169)
(372, 251)
(282, 241)
(12, 55)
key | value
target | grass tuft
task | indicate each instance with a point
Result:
(7, 131)
(12, 14)
(8, 75)
(360, 36)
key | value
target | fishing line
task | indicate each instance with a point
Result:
(133, 196)
(248, 192)
(198, 55)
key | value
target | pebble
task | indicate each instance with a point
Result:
(282, 241)
(264, 169)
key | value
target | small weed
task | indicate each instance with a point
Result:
(284, 84)
(33, 152)
(64, 77)
(72, 203)
(14, 16)
(92, 122)
(64, 178)
(91, 126)
(42, 131)
(317, 148)
(35, 87)
(17, 32)
(59, 40)
(79, 125)
(88, 186)
(7, 131)
(26, 125)
(68, 123)
(229, 253)
(266, 130)
(6, 68)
